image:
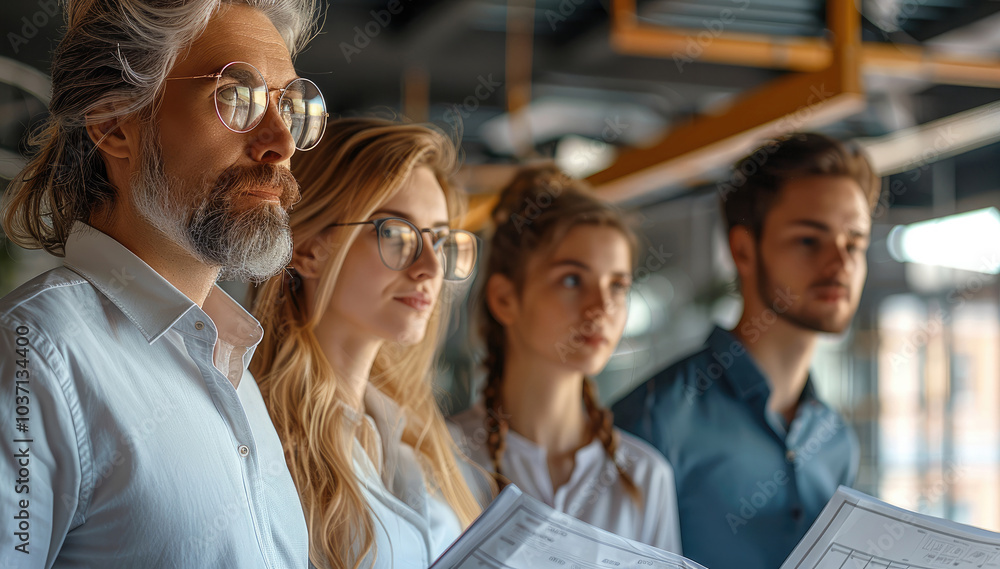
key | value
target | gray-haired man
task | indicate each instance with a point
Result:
(133, 436)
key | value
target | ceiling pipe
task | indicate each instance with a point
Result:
(26, 78)
(936, 140)
(33, 82)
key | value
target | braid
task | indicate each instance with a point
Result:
(602, 428)
(496, 425)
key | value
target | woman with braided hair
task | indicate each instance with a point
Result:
(555, 301)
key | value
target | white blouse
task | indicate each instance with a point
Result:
(412, 526)
(594, 492)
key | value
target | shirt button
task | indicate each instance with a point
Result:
(790, 455)
(796, 514)
(244, 450)
(199, 325)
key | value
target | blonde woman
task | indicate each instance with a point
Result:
(349, 337)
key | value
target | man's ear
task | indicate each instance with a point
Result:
(310, 256)
(115, 138)
(501, 298)
(743, 246)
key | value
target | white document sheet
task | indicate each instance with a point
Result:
(519, 532)
(857, 531)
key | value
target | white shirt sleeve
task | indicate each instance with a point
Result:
(662, 521)
(655, 478)
(40, 447)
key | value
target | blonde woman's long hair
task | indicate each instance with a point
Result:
(360, 164)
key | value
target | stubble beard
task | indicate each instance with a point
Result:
(767, 291)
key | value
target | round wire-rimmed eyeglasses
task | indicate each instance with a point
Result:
(400, 244)
(242, 98)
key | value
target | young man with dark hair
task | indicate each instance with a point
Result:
(756, 453)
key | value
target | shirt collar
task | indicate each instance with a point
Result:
(145, 297)
(237, 329)
(743, 375)
(388, 417)
(589, 453)
(740, 370)
(390, 424)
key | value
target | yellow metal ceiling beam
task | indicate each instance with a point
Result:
(478, 214)
(799, 101)
(715, 45)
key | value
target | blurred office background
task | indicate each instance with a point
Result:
(652, 100)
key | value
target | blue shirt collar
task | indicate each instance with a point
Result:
(741, 372)
(743, 375)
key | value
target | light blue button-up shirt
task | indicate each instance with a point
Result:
(748, 485)
(131, 432)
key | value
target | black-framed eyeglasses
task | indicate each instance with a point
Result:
(400, 244)
(242, 97)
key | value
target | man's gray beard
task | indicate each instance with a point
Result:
(250, 245)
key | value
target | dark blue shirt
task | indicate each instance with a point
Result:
(748, 485)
